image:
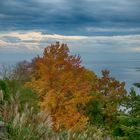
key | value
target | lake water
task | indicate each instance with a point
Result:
(127, 71)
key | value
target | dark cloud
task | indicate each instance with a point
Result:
(70, 16)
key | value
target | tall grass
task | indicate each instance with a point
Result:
(23, 124)
(29, 124)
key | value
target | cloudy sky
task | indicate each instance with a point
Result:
(96, 29)
(71, 17)
(106, 33)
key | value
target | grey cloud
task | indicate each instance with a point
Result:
(10, 39)
(69, 17)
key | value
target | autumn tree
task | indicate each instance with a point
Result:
(108, 93)
(63, 86)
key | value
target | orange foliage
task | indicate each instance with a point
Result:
(59, 79)
(111, 93)
(65, 88)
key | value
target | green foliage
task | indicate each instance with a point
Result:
(133, 103)
(94, 112)
(137, 85)
(128, 121)
(107, 93)
(4, 88)
(127, 127)
(25, 95)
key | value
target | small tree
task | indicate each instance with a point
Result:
(108, 93)
(128, 121)
(22, 71)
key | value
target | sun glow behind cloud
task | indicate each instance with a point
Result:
(35, 41)
(30, 41)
